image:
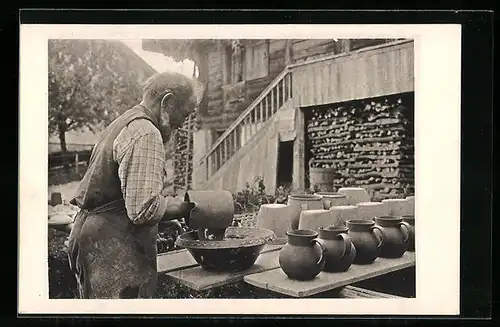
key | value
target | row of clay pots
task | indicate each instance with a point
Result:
(306, 211)
(335, 249)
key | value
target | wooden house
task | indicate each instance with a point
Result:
(264, 101)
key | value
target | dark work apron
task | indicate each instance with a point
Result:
(110, 256)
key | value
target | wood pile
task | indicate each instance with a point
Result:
(369, 142)
(182, 155)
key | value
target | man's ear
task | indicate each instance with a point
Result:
(165, 99)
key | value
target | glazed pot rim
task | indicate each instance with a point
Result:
(302, 232)
(274, 205)
(331, 194)
(345, 207)
(352, 189)
(394, 200)
(408, 216)
(305, 196)
(388, 218)
(360, 222)
(334, 229)
(369, 203)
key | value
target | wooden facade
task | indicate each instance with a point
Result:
(319, 71)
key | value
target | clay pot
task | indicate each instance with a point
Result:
(366, 241)
(332, 199)
(55, 198)
(314, 219)
(411, 205)
(396, 207)
(340, 252)
(302, 258)
(355, 195)
(302, 202)
(410, 220)
(370, 210)
(341, 214)
(213, 210)
(397, 235)
(275, 217)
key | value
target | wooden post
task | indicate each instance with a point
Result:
(299, 152)
(186, 182)
(76, 163)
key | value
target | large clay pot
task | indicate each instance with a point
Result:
(275, 217)
(341, 214)
(355, 195)
(302, 258)
(411, 205)
(212, 213)
(410, 220)
(302, 202)
(332, 199)
(370, 210)
(340, 252)
(396, 207)
(397, 235)
(314, 219)
(366, 241)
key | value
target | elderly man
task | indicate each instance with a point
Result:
(112, 247)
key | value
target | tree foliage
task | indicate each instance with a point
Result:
(90, 83)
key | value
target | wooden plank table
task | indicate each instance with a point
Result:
(181, 267)
(275, 280)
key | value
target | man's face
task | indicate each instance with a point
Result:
(173, 116)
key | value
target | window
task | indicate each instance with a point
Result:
(257, 61)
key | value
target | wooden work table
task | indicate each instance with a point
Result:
(180, 267)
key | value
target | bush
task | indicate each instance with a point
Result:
(252, 197)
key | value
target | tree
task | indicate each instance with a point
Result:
(196, 50)
(90, 83)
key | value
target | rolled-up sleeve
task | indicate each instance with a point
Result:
(141, 170)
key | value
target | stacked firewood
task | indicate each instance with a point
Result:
(370, 143)
(182, 154)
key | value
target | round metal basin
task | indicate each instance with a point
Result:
(238, 251)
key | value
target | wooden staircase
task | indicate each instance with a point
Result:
(241, 134)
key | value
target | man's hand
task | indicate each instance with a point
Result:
(175, 224)
(177, 208)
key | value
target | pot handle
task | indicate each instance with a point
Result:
(380, 239)
(317, 241)
(405, 230)
(347, 244)
(328, 204)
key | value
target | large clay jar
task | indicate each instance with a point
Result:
(332, 199)
(411, 205)
(370, 210)
(341, 214)
(302, 258)
(301, 202)
(410, 220)
(355, 195)
(315, 219)
(396, 207)
(275, 217)
(365, 239)
(212, 213)
(340, 252)
(397, 235)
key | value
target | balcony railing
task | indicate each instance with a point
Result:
(249, 122)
